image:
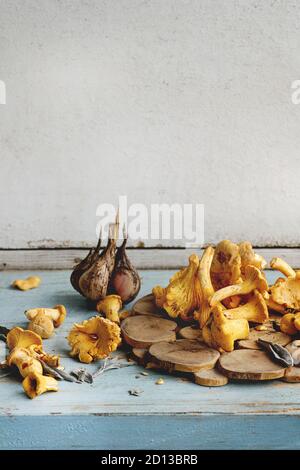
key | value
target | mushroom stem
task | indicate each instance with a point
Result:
(36, 384)
(280, 265)
(254, 279)
(207, 289)
(225, 331)
(255, 310)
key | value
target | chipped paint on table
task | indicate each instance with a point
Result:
(176, 415)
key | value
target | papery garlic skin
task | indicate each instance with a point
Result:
(125, 280)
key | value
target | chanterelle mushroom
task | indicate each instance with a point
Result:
(56, 314)
(183, 294)
(254, 279)
(248, 256)
(207, 290)
(35, 384)
(226, 264)
(19, 338)
(286, 292)
(282, 266)
(110, 306)
(255, 310)
(23, 360)
(94, 339)
(41, 325)
(225, 332)
(25, 284)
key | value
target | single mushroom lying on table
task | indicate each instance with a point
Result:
(26, 284)
(23, 360)
(35, 384)
(43, 320)
(94, 339)
(110, 306)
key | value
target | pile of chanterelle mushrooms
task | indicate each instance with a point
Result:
(224, 291)
(227, 289)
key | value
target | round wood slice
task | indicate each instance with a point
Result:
(141, 331)
(292, 375)
(146, 306)
(249, 364)
(210, 378)
(139, 355)
(272, 336)
(183, 355)
(191, 332)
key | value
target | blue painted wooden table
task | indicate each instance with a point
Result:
(176, 415)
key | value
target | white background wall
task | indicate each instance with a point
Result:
(161, 100)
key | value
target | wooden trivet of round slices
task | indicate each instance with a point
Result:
(158, 342)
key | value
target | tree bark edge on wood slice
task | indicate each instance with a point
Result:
(272, 336)
(183, 355)
(249, 364)
(210, 378)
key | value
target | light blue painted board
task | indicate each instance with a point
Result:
(174, 432)
(105, 408)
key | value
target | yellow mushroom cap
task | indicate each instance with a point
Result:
(110, 306)
(17, 337)
(42, 325)
(94, 339)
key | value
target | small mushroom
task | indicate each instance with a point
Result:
(255, 310)
(35, 384)
(225, 331)
(41, 325)
(44, 320)
(56, 314)
(254, 279)
(110, 306)
(280, 265)
(94, 339)
(248, 256)
(19, 338)
(23, 360)
(286, 292)
(25, 284)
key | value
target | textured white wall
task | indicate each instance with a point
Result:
(162, 100)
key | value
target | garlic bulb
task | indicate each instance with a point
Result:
(125, 280)
(91, 277)
(84, 264)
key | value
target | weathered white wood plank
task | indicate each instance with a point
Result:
(151, 258)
